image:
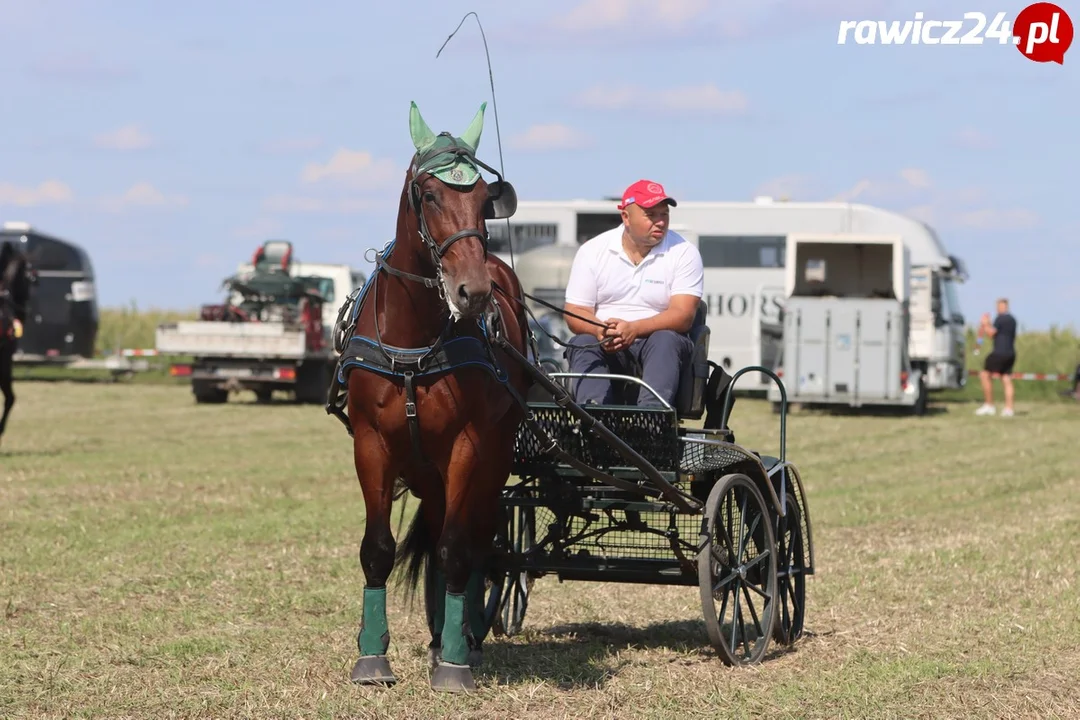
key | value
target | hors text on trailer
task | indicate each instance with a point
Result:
(743, 246)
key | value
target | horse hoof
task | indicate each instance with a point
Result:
(475, 659)
(372, 670)
(452, 678)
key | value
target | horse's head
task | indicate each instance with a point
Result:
(446, 204)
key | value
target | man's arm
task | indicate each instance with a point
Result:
(581, 295)
(580, 327)
(679, 316)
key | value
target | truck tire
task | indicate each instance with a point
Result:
(921, 399)
(206, 393)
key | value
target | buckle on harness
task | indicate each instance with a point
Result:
(410, 395)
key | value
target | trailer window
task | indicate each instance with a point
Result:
(589, 225)
(743, 251)
(526, 236)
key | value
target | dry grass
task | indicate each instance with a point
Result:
(165, 560)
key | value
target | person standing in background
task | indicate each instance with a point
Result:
(999, 363)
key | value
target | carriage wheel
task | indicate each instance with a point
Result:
(790, 575)
(515, 600)
(737, 571)
(436, 591)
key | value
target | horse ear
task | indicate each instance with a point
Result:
(471, 136)
(421, 133)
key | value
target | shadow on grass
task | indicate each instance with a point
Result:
(588, 655)
(875, 411)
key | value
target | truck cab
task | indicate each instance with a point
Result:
(937, 325)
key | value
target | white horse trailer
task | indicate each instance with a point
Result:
(743, 247)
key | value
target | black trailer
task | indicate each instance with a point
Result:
(62, 316)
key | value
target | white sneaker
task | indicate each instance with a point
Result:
(1006, 413)
(985, 410)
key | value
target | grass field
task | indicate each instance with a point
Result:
(161, 559)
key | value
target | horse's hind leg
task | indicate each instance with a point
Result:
(377, 560)
(6, 365)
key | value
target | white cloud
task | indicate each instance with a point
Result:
(291, 145)
(704, 99)
(49, 192)
(916, 177)
(355, 169)
(143, 195)
(646, 15)
(350, 181)
(550, 136)
(791, 187)
(260, 228)
(912, 192)
(972, 138)
(79, 68)
(996, 219)
(129, 137)
(290, 204)
(907, 182)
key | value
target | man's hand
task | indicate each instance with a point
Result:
(625, 333)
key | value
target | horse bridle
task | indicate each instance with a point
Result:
(501, 203)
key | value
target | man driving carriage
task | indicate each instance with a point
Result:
(637, 286)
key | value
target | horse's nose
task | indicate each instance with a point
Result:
(473, 296)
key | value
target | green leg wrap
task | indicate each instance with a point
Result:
(374, 631)
(454, 648)
(475, 591)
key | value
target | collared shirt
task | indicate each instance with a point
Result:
(603, 277)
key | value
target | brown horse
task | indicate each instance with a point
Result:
(430, 401)
(16, 278)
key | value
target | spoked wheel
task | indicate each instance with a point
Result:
(737, 571)
(790, 574)
(515, 601)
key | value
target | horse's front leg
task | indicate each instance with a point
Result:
(376, 475)
(473, 490)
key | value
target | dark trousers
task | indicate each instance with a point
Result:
(660, 357)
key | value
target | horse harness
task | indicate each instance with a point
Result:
(452, 349)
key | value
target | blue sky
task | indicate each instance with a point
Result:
(171, 139)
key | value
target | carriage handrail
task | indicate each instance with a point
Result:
(686, 503)
(729, 398)
(611, 376)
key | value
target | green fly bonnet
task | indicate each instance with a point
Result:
(453, 161)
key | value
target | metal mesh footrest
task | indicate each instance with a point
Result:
(703, 454)
(651, 433)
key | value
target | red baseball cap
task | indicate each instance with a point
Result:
(645, 193)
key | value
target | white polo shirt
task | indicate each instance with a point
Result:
(602, 276)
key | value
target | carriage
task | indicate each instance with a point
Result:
(680, 505)
(435, 386)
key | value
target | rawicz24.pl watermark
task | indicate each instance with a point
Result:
(1042, 32)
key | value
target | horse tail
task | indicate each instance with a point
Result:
(417, 546)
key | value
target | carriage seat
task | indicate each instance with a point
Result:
(690, 398)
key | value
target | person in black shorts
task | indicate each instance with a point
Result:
(999, 363)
